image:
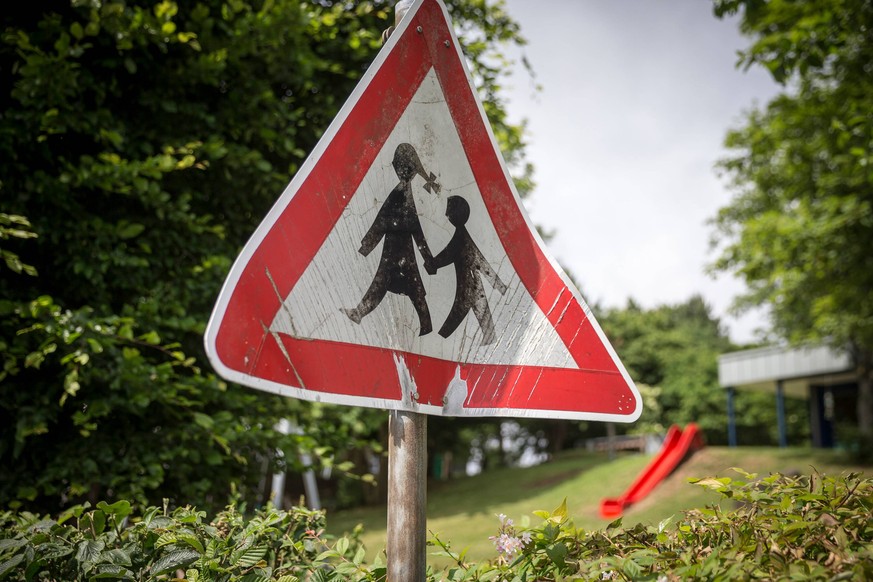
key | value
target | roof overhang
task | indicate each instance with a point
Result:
(795, 368)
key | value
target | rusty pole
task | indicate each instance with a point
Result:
(407, 496)
(407, 469)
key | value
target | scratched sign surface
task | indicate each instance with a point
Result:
(398, 269)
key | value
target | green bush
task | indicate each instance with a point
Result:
(105, 543)
(777, 528)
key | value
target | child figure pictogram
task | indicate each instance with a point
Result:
(470, 267)
(397, 222)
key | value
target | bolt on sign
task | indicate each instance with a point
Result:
(398, 269)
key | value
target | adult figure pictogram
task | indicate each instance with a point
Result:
(397, 222)
(470, 267)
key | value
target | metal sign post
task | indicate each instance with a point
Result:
(407, 496)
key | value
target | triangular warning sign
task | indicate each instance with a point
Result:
(398, 269)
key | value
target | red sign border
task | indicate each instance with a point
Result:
(242, 349)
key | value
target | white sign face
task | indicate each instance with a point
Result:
(339, 276)
(399, 270)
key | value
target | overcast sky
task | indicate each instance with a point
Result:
(637, 96)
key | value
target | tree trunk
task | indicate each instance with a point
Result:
(557, 435)
(865, 403)
(864, 362)
(382, 477)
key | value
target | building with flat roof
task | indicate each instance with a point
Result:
(825, 377)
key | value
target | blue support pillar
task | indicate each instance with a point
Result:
(732, 418)
(780, 414)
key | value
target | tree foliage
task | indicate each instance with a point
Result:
(143, 141)
(799, 230)
(672, 351)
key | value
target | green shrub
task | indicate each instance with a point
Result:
(105, 543)
(777, 528)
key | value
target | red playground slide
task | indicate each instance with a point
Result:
(678, 446)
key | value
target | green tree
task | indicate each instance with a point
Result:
(144, 140)
(672, 352)
(800, 228)
(673, 349)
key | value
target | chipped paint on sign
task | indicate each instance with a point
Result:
(407, 383)
(456, 395)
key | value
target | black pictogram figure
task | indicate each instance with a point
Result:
(398, 223)
(469, 264)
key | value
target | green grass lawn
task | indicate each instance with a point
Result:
(463, 511)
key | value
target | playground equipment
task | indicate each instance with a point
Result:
(678, 446)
